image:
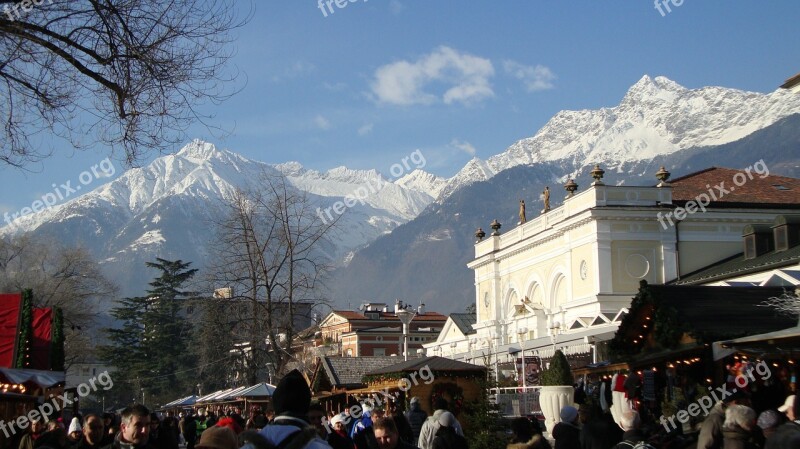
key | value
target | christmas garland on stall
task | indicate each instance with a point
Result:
(445, 389)
(57, 351)
(25, 331)
(665, 326)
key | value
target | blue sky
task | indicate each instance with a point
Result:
(376, 80)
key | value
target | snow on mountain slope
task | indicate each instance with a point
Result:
(655, 117)
(166, 209)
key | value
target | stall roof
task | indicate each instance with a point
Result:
(44, 379)
(230, 394)
(777, 343)
(183, 402)
(434, 363)
(259, 390)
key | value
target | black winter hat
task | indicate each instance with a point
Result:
(292, 395)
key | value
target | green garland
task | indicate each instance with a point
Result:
(25, 326)
(666, 328)
(57, 343)
(455, 392)
(380, 378)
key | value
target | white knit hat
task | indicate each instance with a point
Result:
(74, 425)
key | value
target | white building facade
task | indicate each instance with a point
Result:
(564, 279)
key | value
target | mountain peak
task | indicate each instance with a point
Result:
(198, 149)
(647, 86)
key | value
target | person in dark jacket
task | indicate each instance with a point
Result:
(527, 435)
(385, 433)
(92, 433)
(134, 429)
(787, 435)
(446, 436)
(416, 418)
(338, 438)
(598, 430)
(403, 426)
(737, 431)
(567, 433)
(190, 430)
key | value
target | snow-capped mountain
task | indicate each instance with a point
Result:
(657, 116)
(404, 236)
(167, 208)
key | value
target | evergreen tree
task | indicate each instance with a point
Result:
(150, 350)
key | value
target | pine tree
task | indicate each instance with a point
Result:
(150, 350)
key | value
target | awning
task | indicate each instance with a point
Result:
(259, 390)
(776, 343)
(44, 379)
(182, 402)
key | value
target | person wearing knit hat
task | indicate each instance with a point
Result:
(75, 431)
(338, 437)
(218, 437)
(291, 401)
(567, 433)
(446, 436)
(788, 434)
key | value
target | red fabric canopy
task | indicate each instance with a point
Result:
(42, 336)
(10, 305)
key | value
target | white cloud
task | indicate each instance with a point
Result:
(463, 146)
(294, 70)
(465, 76)
(321, 122)
(535, 78)
(364, 130)
(396, 7)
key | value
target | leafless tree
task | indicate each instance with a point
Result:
(268, 255)
(129, 74)
(788, 303)
(60, 276)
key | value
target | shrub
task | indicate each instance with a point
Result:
(559, 372)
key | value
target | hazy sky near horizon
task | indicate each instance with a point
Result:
(368, 84)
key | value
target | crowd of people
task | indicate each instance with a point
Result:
(731, 424)
(293, 423)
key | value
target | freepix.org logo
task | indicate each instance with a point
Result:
(55, 404)
(407, 164)
(715, 193)
(63, 191)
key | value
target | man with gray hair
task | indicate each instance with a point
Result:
(633, 437)
(134, 429)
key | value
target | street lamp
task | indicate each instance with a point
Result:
(405, 316)
(521, 332)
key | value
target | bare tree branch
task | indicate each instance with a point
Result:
(129, 74)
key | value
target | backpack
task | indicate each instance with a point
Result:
(298, 439)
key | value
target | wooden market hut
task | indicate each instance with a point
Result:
(678, 323)
(334, 377)
(429, 378)
(666, 338)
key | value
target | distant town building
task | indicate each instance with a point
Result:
(377, 331)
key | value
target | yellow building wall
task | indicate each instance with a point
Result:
(633, 261)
